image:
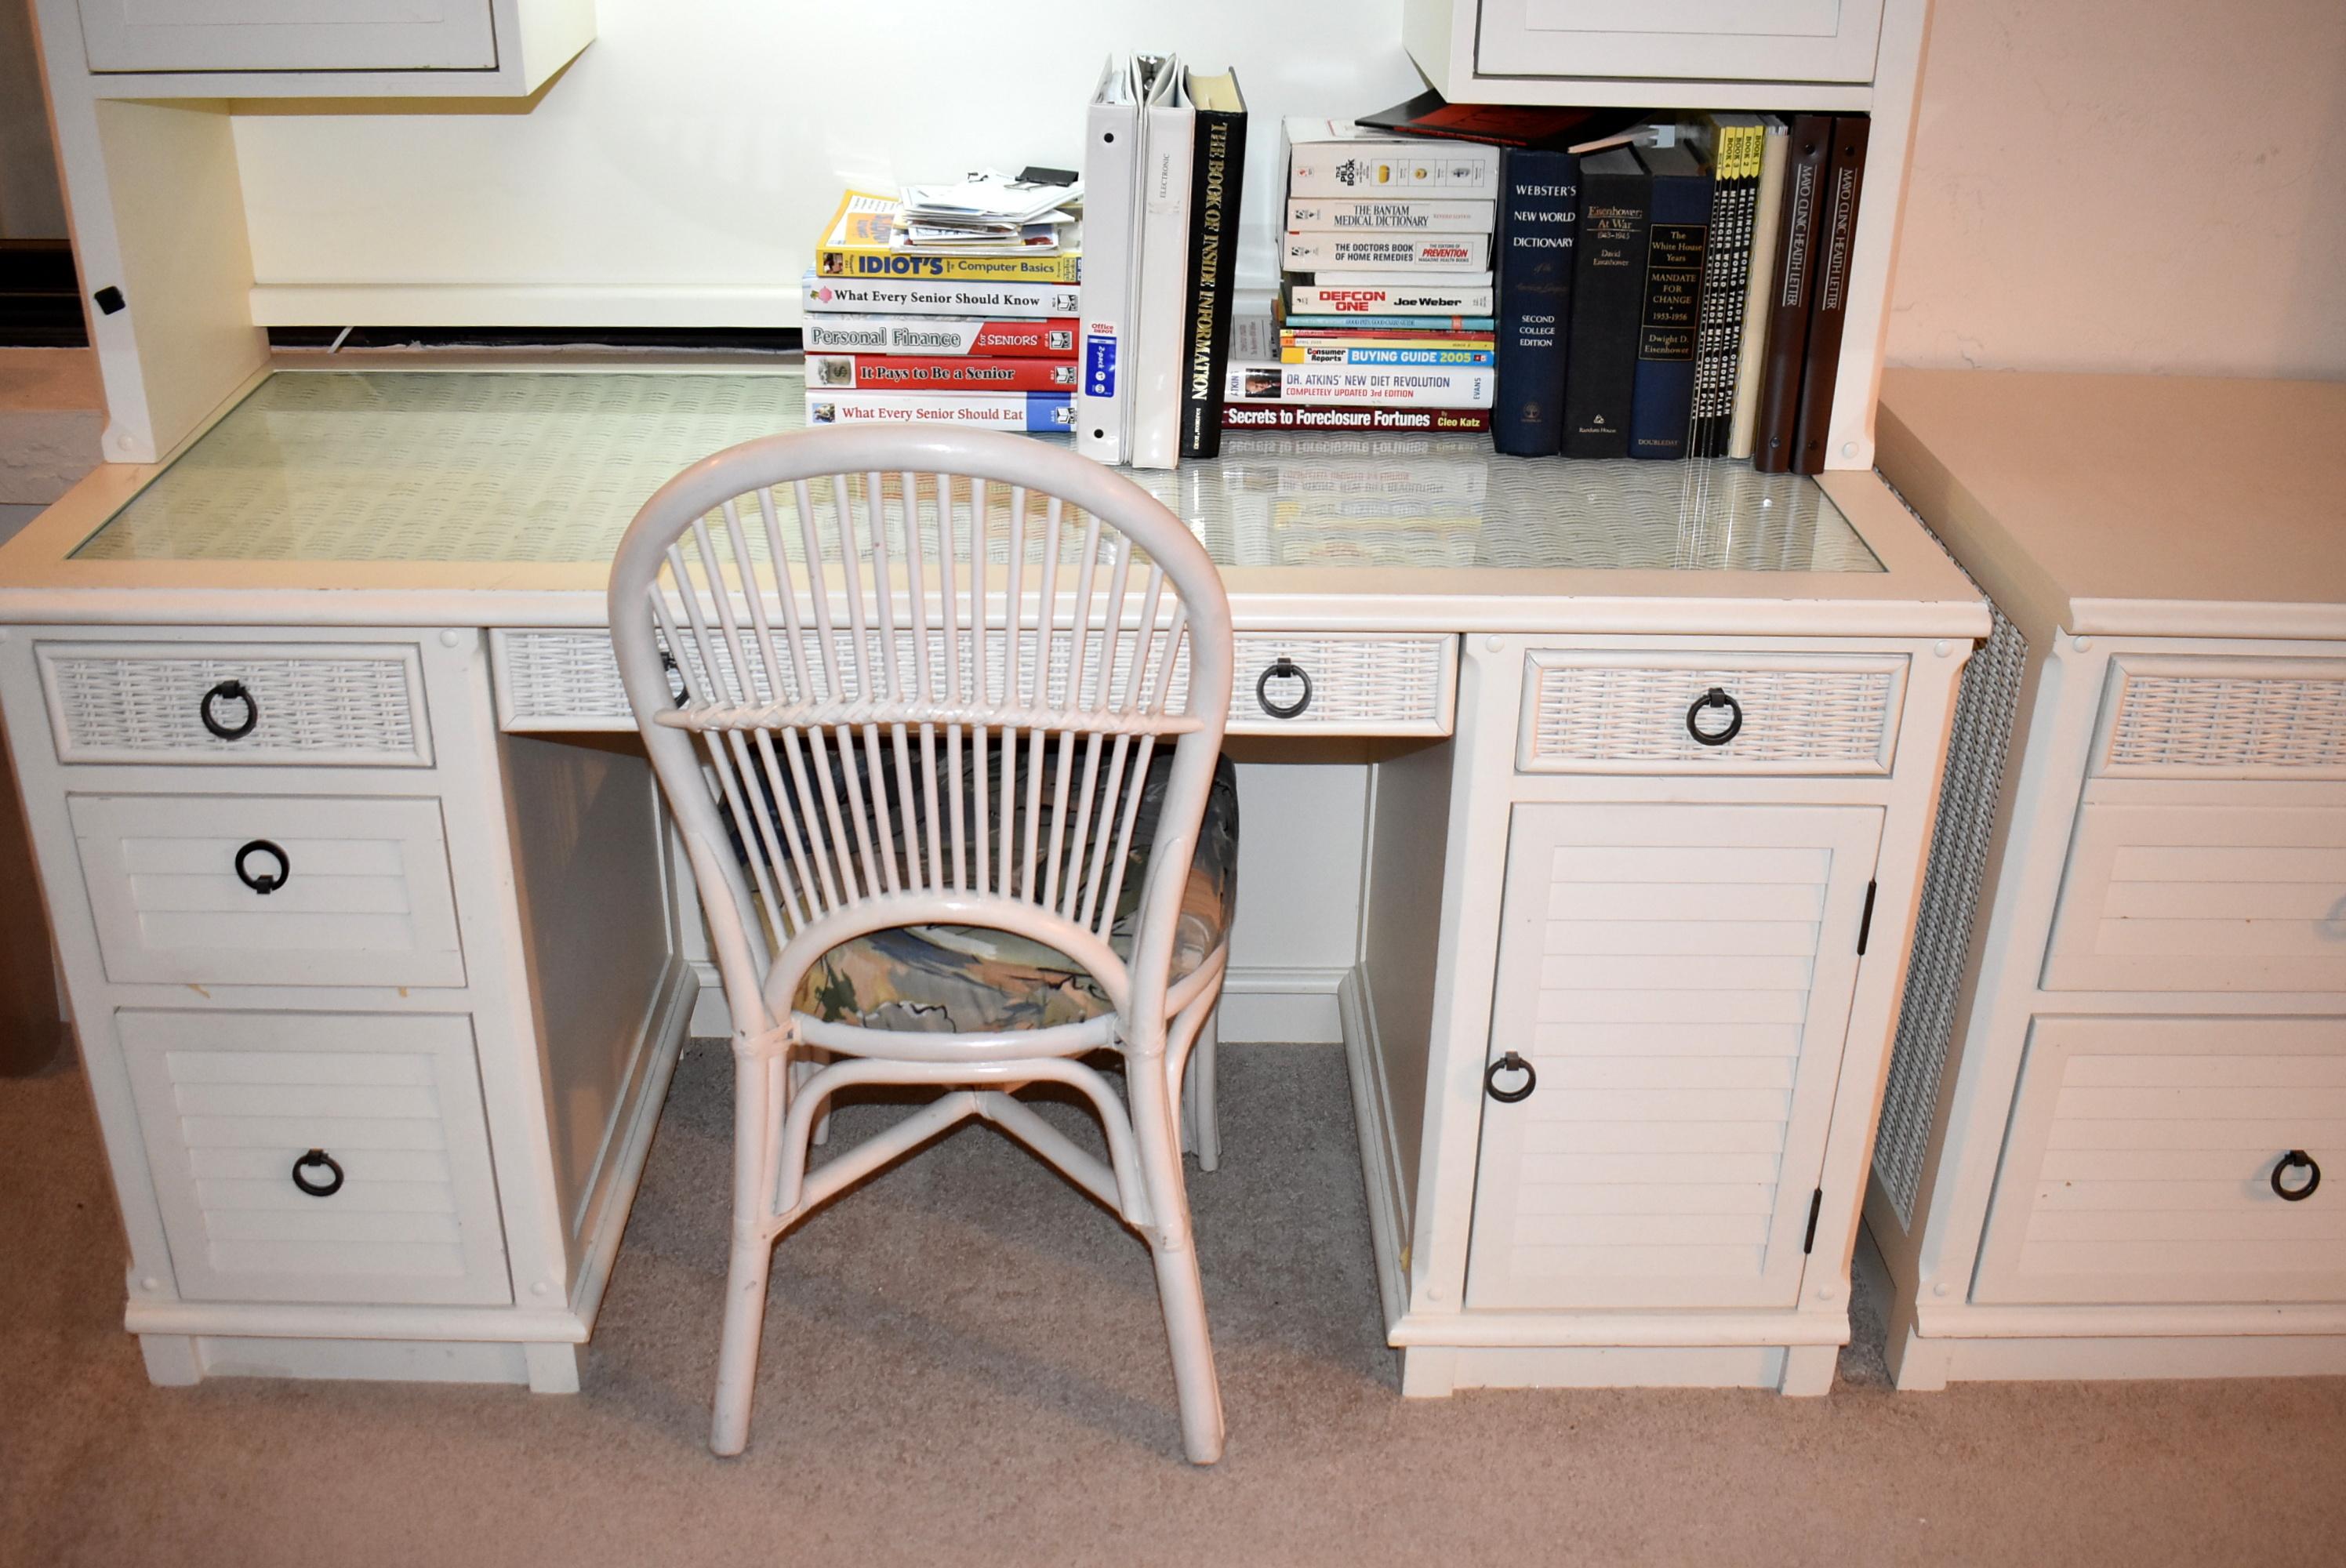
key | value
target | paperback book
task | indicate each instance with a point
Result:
(914, 373)
(1429, 323)
(1313, 251)
(936, 297)
(858, 244)
(1390, 217)
(1038, 412)
(1429, 386)
(1050, 337)
(1331, 417)
(1433, 297)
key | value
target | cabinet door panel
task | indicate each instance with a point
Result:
(1686, 1058)
(288, 35)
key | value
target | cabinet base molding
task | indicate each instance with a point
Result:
(1434, 1371)
(178, 1360)
(1920, 1365)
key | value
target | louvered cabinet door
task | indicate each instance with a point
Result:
(1678, 979)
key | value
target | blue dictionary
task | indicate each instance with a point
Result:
(1661, 398)
(1389, 324)
(1539, 209)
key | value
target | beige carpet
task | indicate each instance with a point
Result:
(964, 1363)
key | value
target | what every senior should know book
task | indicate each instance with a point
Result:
(936, 297)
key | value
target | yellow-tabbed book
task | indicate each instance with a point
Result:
(857, 245)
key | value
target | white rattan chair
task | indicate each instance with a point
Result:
(948, 711)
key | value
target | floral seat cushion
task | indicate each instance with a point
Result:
(952, 978)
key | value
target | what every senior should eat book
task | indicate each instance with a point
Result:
(856, 245)
(936, 296)
(1539, 195)
(1049, 337)
(1036, 412)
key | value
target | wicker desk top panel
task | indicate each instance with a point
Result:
(490, 466)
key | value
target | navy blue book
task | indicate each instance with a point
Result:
(1539, 208)
(1661, 398)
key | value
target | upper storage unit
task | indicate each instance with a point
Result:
(357, 48)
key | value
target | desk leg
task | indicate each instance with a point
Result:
(1808, 1369)
(553, 1369)
(171, 1360)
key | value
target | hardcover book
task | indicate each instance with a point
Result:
(1317, 251)
(1774, 428)
(1327, 158)
(1828, 311)
(857, 245)
(1539, 213)
(1661, 397)
(1609, 286)
(1216, 183)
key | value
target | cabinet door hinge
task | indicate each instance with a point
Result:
(1865, 920)
(1816, 1205)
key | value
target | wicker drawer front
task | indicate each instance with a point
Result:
(565, 680)
(269, 890)
(330, 703)
(309, 1156)
(1602, 712)
(2180, 717)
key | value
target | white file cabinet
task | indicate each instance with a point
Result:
(2115, 1138)
(328, 939)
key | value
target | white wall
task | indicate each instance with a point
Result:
(704, 144)
(2111, 184)
(31, 206)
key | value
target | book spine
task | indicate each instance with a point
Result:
(1414, 170)
(1724, 265)
(1773, 429)
(916, 297)
(1352, 335)
(1766, 213)
(1155, 362)
(1485, 325)
(1036, 412)
(855, 262)
(1435, 298)
(1339, 416)
(1391, 217)
(1322, 354)
(906, 373)
(1538, 217)
(1608, 288)
(1829, 313)
(1216, 189)
(1427, 387)
(1049, 338)
(1661, 398)
(1318, 252)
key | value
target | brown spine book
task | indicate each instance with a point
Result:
(1844, 184)
(1788, 303)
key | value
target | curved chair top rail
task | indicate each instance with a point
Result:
(951, 704)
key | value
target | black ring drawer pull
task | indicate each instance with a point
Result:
(1510, 1062)
(265, 883)
(314, 1159)
(2296, 1159)
(230, 691)
(1715, 698)
(1282, 668)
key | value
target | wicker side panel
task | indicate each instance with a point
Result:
(1986, 704)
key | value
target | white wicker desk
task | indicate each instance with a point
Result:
(405, 571)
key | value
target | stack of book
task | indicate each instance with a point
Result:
(1679, 290)
(956, 305)
(1385, 301)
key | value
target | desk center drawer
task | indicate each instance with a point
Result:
(269, 890)
(1601, 711)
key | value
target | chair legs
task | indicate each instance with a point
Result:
(1189, 1049)
(736, 1350)
(1173, 1243)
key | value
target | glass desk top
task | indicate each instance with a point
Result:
(550, 467)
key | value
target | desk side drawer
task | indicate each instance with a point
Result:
(358, 890)
(1357, 685)
(353, 704)
(1603, 712)
(2167, 717)
(406, 1211)
(2140, 1165)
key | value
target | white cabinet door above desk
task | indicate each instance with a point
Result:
(288, 35)
(1779, 40)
